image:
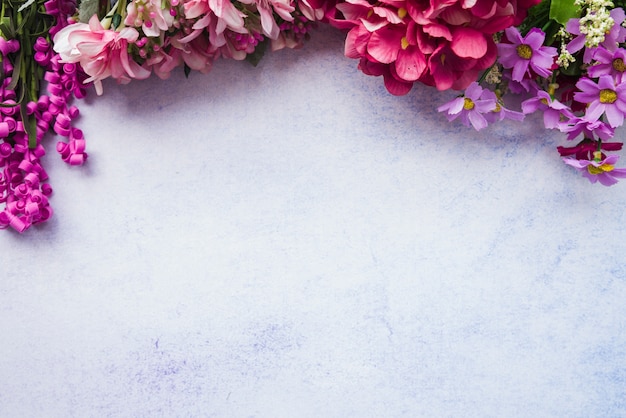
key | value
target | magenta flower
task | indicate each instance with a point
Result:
(603, 98)
(552, 109)
(599, 169)
(607, 62)
(525, 52)
(471, 107)
(584, 149)
(615, 36)
(589, 128)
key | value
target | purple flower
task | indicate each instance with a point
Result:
(603, 98)
(501, 112)
(589, 128)
(599, 169)
(552, 109)
(524, 52)
(615, 36)
(471, 107)
(611, 63)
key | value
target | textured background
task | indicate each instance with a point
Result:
(292, 241)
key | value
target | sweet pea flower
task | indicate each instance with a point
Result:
(102, 53)
(599, 169)
(603, 98)
(471, 106)
(526, 52)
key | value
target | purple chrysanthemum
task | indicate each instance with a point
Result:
(525, 52)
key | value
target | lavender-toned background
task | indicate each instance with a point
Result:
(292, 241)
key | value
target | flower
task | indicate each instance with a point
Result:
(471, 106)
(603, 98)
(607, 62)
(525, 52)
(589, 128)
(552, 109)
(599, 169)
(102, 53)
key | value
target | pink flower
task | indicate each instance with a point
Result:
(526, 52)
(101, 53)
(603, 98)
(551, 108)
(149, 15)
(471, 106)
(599, 169)
(607, 62)
(267, 8)
(442, 43)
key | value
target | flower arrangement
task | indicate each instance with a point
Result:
(564, 58)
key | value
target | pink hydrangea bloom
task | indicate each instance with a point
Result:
(102, 53)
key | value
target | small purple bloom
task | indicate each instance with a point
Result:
(552, 109)
(603, 98)
(598, 169)
(525, 52)
(612, 39)
(471, 107)
(607, 62)
(589, 128)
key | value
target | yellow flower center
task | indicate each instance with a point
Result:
(618, 65)
(468, 104)
(607, 96)
(524, 51)
(402, 12)
(544, 101)
(604, 168)
(404, 42)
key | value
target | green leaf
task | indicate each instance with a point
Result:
(255, 57)
(30, 126)
(116, 21)
(563, 10)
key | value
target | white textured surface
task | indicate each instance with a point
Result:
(292, 241)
